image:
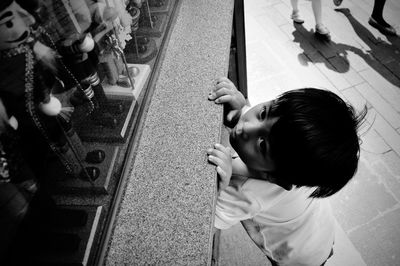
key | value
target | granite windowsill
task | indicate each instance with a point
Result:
(167, 213)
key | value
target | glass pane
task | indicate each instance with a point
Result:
(75, 75)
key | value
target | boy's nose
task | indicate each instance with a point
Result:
(248, 129)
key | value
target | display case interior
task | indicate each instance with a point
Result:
(75, 78)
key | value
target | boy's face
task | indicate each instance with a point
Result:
(250, 137)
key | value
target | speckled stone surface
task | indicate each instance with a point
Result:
(166, 217)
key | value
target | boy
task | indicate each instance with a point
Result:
(292, 150)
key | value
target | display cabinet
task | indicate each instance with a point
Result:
(75, 79)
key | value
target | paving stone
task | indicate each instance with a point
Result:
(344, 252)
(363, 199)
(387, 132)
(372, 142)
(356, 59)
(265, 63)
(391, 180)
(382, 81)
(380, 104)
(254, 32)
(394, 67)
(381, 236)
(344, 66)
(271, 29)
(341, 63)
(277, 17)
(330, 72)
(285, 10)
(299, 39)
(254, 5)
(355, 98)
(392, 160)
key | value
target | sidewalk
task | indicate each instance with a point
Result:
(362, 66)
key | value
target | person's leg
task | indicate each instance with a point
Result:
(376, 20)
(317, 10)
(295, 5)
(377, 12)
(295, 14)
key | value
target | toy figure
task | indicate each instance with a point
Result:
(112, 58)
(140, 49)
(79, 53)
(28, 74)
(17, 184)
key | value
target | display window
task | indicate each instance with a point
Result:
(75, 78)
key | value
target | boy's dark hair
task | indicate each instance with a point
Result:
(314, 143)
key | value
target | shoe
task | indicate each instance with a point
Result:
(296, 17)
(321, 30)
(385, 29)
(337, 2)
(344, 11)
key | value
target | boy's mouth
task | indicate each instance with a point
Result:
(235, 132)
(238, 129)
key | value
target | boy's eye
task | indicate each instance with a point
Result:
(9, 24)
(263, 146)
(263, 113)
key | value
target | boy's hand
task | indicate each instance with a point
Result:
(226, 92)
(221, 157)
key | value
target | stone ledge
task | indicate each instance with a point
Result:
(167, 214)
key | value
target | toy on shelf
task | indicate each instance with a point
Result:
(78, 26)
(18, 184)
(28, 74)
(112, 58)
(141, 49)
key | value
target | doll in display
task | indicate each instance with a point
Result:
(80, 55)
(140, 49)
(17, 184)
(29, 72)
(156, 3)
(112, 58)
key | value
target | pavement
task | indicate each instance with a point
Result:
(361, 65)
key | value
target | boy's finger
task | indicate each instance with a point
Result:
(232, 114)
(212, 95)
(215, 152)
(222, 173)
(224, 99)
(219, 84)
(222, 79)
(223, 84)
(215, 160)
(223, 149)
(223, 91)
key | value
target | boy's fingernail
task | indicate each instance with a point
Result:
(209, 150)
